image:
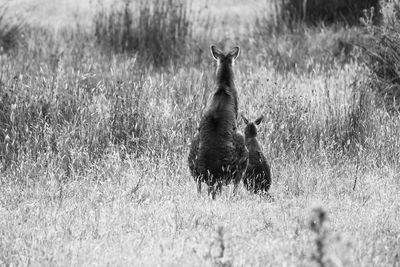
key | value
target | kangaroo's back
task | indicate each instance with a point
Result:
(217, 138)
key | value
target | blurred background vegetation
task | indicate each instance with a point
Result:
(134, 79)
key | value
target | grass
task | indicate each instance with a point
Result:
(10, 29)
(327, 12)
(384, 55)
(94, 171)
(155, 33)
(101, 219)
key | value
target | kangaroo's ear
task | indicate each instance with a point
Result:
(246, 121)
(234, 53)
(259, 120)
(216, 53)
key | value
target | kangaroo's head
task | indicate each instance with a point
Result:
(250, 130)
(225, 63)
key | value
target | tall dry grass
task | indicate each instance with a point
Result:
(79, 103)
(11, 29)
(157, 32)
(314, 12)
(383, 55)
(93, 147)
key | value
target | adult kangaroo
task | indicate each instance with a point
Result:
(218, 154)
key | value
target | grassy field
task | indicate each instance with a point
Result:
(94, 147)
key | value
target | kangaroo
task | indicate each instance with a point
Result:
(218, 154)
(258, 174)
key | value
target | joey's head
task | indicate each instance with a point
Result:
(250, 130)
(225, 62)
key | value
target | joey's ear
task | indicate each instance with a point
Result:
(246, 121)
(215, 52)
(259, 120)
(234, 53)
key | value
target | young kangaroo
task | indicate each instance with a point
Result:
(258, 174)
(218, 153)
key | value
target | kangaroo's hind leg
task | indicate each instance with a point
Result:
(212, 191)
(198, 186)
(219, 187)
(211, 185)
(199, 179)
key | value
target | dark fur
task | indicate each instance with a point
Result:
(258, 174)
(218, 154)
